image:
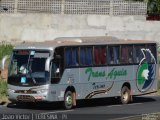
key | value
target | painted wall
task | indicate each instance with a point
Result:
(17, 28)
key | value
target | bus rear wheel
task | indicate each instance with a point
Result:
(68, 100)
(125, 95)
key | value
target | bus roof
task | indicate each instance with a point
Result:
(74, 41)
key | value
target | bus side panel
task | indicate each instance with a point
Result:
(70, 79)
(97, 82)
(152, 86)
(105, 81)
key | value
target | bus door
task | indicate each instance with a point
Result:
(55, 71)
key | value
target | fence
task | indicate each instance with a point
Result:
(100, 7)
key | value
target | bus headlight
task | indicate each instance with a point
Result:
(10, 90)
(39, 91)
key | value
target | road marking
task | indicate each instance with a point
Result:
(114, 106)
(141, 115)
(123, 105)
(126, 118)
(135, 104)
(63, 111)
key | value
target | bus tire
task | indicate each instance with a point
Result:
(68, 100)
(125, 95)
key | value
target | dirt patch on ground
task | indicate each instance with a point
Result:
(4, 74)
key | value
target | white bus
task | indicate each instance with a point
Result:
(70, 69)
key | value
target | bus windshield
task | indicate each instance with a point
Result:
(29, 64)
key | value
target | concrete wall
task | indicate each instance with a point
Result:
(17, 28)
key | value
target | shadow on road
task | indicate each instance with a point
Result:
(111, 101)
(37, 106)
(80, 103)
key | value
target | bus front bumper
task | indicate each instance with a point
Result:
(25, 96)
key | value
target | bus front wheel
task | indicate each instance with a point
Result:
(68, 100)
(125, 95)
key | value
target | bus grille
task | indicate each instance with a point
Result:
(25, 98)
(26, 91)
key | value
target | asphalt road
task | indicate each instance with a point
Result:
(100, 109)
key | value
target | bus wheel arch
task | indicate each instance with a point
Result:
(126, 93)
(70, 97)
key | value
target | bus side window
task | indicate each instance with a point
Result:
(103, 55)
(97, 56)
(151, 51)
(130, 54)
(71, 57)
(139, 53)
(74, 57)
(55, 72)
(113, 55)
(116, 55)
(89, 56)
(86, 56)
(67, 56)
(100, 55)
(110, 55)
(134, 55)
(127, 54)
(82, 56)
(124, 55)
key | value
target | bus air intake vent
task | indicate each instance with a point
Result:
(25, 91)
(25, 98)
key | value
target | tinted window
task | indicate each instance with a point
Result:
(113, 55)
(138, 53)
(126, 54)
(100, 55)
(151, 53)
(55, 72)
(71, 56)
(86, 56)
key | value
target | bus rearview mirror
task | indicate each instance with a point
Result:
(47, 65)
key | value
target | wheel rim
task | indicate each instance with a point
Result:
(69, 100)
(125, 96)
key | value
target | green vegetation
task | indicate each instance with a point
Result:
(3, 88)
(3, 92)
(5, 50)
(153, 6)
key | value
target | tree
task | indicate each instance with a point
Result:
(153, 6)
